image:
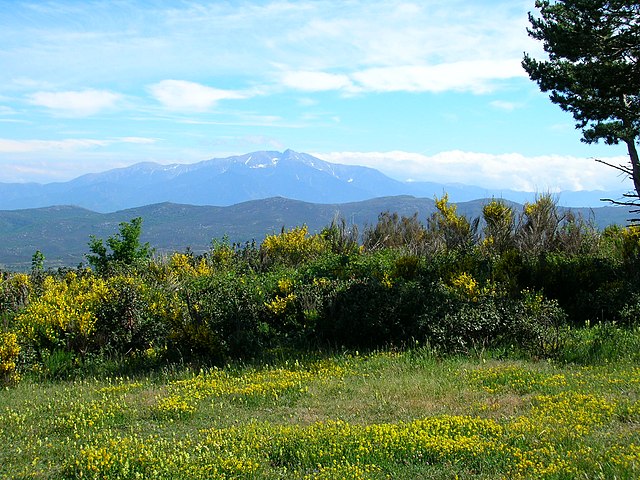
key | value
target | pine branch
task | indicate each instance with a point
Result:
(622, 168)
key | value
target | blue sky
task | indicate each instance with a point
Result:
(427, 90)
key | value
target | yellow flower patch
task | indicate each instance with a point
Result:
(184, 395)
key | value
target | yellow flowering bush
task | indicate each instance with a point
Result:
(465, 286)
(83, 312)
(168, 306)
(182, 264)
(222, 254)
(9, 352)
(447, 211)
(279, 305)
(285, 285)
(64, 312)
(499, 225)
(449, 229)
(497, 212)
(630, 241)
(292, 247)
(284, 299)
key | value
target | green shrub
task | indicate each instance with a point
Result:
(587, 287)
(369, 300)
(538, 228)
(465, 316)
(125, 320)
(225, 317)
(602, 343)
(394, 231)
(461, 319)
(122, 250)
(341, 238)
(15, 292)
(630, 313)
(329, 265)
(534, 324)
(467, 326)
(510, 272)
(371, 313)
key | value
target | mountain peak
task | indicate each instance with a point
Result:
(290, 154)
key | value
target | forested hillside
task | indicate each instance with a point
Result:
(62, 233)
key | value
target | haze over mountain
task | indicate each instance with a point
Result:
(253, 176)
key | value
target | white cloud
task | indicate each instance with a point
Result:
(511, 171)
(29, 146)
(208, 39)
(476, 76)
(138, 140)
(316, 81)
(361, 33)
(190, 96)
(76, 103)
(11, 146)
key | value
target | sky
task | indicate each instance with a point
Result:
(429, 90)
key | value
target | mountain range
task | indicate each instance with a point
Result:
(242, 197)
(253, 176)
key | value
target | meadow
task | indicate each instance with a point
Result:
(382, 415)
(505, 347)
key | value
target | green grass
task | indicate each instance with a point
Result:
(387, 415)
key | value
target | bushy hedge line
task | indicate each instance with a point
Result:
(501, 281)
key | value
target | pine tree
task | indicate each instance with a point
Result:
(593, 71)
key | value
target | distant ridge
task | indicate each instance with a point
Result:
(62, 232)
(253, 176)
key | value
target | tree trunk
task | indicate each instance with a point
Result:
(635, 165)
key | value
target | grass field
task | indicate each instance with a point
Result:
(387, 415)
